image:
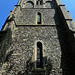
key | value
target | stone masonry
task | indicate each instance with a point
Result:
(20, 33)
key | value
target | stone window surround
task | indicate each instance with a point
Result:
(35, 56)
(38, 2)
(40, 18)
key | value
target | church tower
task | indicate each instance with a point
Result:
(38, 38)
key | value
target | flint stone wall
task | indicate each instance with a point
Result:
(22, 50)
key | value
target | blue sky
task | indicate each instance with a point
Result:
(7, 5)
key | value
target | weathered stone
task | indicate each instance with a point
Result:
(18, 46)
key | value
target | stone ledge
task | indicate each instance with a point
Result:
(35, 25)
(16, 54)
(17, 5)
(71, 25)
(59, 2)
(3, 71)
(61, 5)
(65, 13)
(39, 69)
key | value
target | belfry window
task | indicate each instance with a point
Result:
(39, 18)
(39, 62)
(38, 2)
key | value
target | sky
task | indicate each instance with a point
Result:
(7, 5)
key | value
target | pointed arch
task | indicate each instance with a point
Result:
(39, 62)
(39, 55)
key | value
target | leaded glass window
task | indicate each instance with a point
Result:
(39, 63)
(39, 18)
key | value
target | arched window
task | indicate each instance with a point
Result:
(37, 2)
(28, 4)
(39, 18)
(39, 62)
(49, 4)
